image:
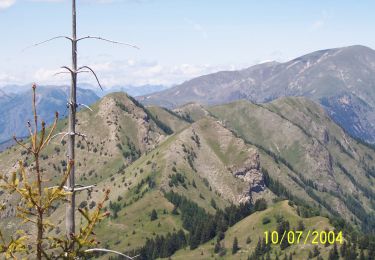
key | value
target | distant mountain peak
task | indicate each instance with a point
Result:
(326, 73)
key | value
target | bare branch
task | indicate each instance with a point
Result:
(109, 251)
(21, 144)
(69, 69)
(62, 133)
(76, 188)
(61, 72)
(66, 72)
(84, 71)
(54, 38)
(96, 77)
(106, 40)
(52, 130)
(90, 187)
(85, 106)
(83, 138)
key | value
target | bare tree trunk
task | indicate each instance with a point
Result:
(70, 208)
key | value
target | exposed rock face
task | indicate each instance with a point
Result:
(250, 173)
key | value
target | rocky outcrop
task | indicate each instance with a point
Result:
(250, 173)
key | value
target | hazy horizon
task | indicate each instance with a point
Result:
(178, 40)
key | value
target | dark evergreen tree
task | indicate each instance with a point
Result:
(217, 247)
(282, 228)
(154, 215)
(115, 208)
(235, 246)
(316, 251)
(300, 226)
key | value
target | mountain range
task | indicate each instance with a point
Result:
(15, 102)
(186, 169)
(341, 79)
(15, 109)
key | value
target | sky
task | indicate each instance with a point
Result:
(177, 39)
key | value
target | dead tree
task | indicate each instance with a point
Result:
(72, 104)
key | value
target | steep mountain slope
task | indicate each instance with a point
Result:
(230, 154)
(15, 109)
(341, 79)
(118, 132)
(336, 171)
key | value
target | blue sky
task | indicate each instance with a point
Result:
(178, 39)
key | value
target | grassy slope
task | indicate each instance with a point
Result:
(299, 131)
(136, 216)
(167, 117)
(252, 227)
(111, 124)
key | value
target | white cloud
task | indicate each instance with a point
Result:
(132, 72)
(4, 4)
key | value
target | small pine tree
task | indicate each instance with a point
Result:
(300, 226)
(175, 211)
(154, 215)
(235, 247)
(316, 251)
(35, 202)
(213, 204)
(217, 247)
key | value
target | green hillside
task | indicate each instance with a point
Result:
(249, 230)
(336, 170)
(187, 176)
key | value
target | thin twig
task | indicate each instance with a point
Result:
(66, 72)
(109, 251)
(69, 69)
(80, 188)
(61, 72)
(90, 187)
(62, 133)
(106, 40)
(85, 106)
(83, 138)
(21, 144)
(93, 72)
(39, 43)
